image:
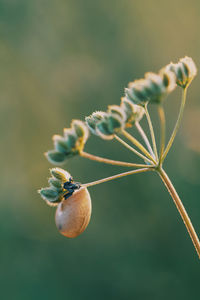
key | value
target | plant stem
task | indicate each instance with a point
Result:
(137, 144)
(132, 149)
(181, 209)
(117, 176)
(178, 122)
(161, 114)
(145, 138)
(151, 131)
(110, 161)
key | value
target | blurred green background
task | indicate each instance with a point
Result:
(64, 59)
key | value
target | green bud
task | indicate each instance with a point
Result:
(139, 91)
(50, 195)
(168, 79)
(55, 157)
(106, 124)
(91, 123)
(80, 129)
(185, 70)
(114, 123)
(62, 144)
(117, 111)
(56, 184)
(156, 85)
(133, 112)
(60, 174)
(71, 137)
(103, 129)
(94, 119)
(130, 94)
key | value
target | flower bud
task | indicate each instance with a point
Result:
(117, 110)
(69, 145)
(62, 144)
(168, 79)
(55, 157)
(103, 130)
(56, 184)
(134, 113)
(185, 70)
(138, 91)
(80, 129)
(161, 84)
(59, 183)
(70, 137)
(60, 174)
(93, 120)
(106, 124)
(50, 195)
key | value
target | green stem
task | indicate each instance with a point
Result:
(151, 131)
(117, 176)
(178, 122)
(137, 144)
(161, 114)
(181, 210)
(145, 138)
(132, 149)
(110, 161)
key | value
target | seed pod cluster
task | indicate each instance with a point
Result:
(152, 88)
(70, 144)
(55, 192)
(106, 124)
(185, 70)
(117, 117)
(134, 113)
(73, 199)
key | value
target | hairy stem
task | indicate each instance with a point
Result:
(178, 123)
(110, 161)
(181, 210)
(161, 114)
(116, 176)
(132, 149)
(138, 145)
(151, 131)
(145, 138)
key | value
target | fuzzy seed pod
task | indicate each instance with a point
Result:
(106, 124)
(152, 89)
(55, 192)
(81, 129)
(73, 214)
(185, 70)
(138, 91)
(94, 119)
(134, 113)
(60, 174)
(69, 145)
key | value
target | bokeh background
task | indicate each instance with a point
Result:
(64, 59)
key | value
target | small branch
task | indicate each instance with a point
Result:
(117, 176)
(145, 138)
(132, 149)
(138, 144)
(110, 161)
(151, 132)
(161, 114)
(178, 123)
(181, 209)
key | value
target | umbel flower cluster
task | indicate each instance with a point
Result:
(72, 198)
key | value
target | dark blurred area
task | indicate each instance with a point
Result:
(61, 60)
